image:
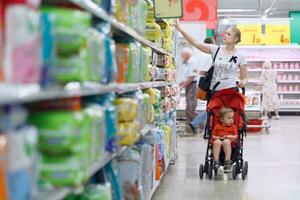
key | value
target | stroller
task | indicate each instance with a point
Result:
(236, 101)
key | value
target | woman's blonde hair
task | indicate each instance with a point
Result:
(224, 111)
(237, 33)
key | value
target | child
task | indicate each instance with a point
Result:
(224, 135)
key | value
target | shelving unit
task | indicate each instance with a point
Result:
(286, 62)
(91, 7)
(12, 94)
(60, 193)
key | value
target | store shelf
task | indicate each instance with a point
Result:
(280, 81)
(281, 92)
(289, 81)
(12, 94)
(60, 193)
(273, 60)
(278, 70)
(93, 8)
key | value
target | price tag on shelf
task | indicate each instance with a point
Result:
(168, 8)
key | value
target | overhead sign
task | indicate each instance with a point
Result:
(168, 9)
(275, 34)
(278, 34)
(251, 34)
(201, 10)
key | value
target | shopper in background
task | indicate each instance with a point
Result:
(224, 135)
(230, 63)
(189, 82)
(270, 100)
(204, 63)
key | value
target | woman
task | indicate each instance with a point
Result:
(230, 63)
(270, 100)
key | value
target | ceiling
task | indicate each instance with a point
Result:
(256, 8)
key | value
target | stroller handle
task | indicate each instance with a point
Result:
(243, 88)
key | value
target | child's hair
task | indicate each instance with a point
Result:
(223, 112)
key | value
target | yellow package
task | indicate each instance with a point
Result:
(122, 11)
(154, 94)
(150, 72)
(128, 133)
(166, 28)
(167, 136)
(168, 44)
(154, 33)
(127, 109)
(150, 12)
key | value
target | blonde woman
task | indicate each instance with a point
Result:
(268, 81)
(230, 63)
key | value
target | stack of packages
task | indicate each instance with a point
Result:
(21, 60)
(72, 50)
(134, 113)
(71, 139)
(18, 142)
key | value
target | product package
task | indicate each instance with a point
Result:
(22, 50)
(63, 170)
(97, 192)
(22, 159)
(122, 57)
(72, 46)
(129, 167)
(127, 109)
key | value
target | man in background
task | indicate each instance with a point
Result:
(189, 82)
(204, 64)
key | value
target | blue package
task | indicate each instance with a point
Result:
(47, 51)
(111, 176)
(19, 185)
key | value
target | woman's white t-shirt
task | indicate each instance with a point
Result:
(226, 68)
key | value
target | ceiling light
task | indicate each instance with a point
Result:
(264, 17)
(225, 21)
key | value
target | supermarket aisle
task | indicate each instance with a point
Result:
(274, 163)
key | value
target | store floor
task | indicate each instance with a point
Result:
(274, 168)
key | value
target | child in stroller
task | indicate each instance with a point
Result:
(224, 135)
(229, 151)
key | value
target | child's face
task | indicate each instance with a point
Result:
(227, 119)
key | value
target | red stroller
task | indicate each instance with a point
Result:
(236, 101)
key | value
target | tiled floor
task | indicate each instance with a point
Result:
(274, 168)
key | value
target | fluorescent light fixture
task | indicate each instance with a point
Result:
(236, 10)
(264, 17)
(225, 21)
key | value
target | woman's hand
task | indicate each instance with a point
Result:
(242, 83)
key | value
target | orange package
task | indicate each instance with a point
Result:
(3, 156)
(122, 57)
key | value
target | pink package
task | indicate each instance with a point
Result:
(291, 88)
(286, 65)
(292, 65)
(22, 61)
(281, 65)
(290, 77)
(297, 87)
(275, 66)
(297, 66)
(284, 88)
(296, 77)
(283, 77)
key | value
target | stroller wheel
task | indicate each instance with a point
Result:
(234, 172)
(201, 171)
(209, 169)
(245, 170)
